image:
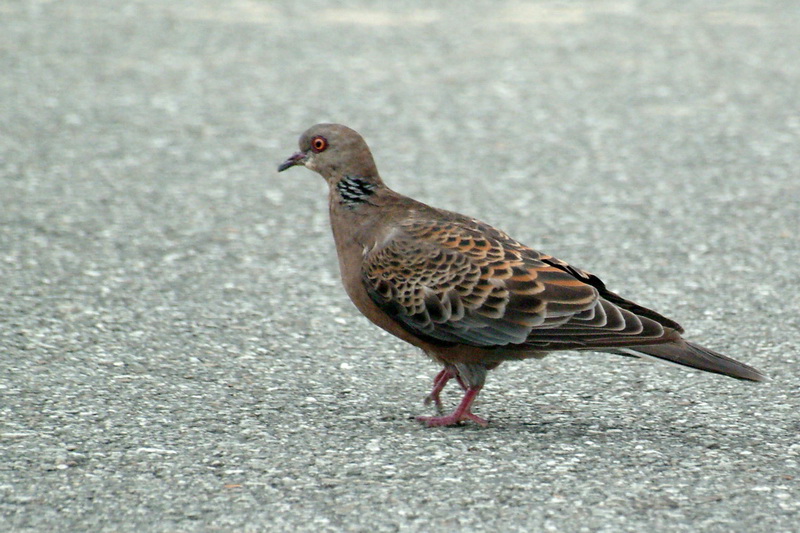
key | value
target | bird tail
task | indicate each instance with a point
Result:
(685, 353)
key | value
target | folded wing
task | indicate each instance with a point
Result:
(454, 280)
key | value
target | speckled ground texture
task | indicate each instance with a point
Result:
(177, 353)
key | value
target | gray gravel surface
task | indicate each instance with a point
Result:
(177, 353)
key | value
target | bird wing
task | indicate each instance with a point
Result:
(454, 280)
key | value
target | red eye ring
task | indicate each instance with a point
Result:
(319, 144)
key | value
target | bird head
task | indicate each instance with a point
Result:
(333, 151)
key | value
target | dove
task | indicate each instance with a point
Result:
(467, 294)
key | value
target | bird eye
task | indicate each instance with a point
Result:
(319, 143)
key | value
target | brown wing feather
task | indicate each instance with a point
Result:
(452, 279)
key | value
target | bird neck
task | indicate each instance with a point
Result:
(354, 191)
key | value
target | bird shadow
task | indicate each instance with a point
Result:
(571, 429)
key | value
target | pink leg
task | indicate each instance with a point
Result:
(461, 414)
(439, 383)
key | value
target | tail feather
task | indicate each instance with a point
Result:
(685, 353)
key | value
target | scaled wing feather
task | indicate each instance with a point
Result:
(451, 279)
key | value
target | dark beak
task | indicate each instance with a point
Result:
(295, 159)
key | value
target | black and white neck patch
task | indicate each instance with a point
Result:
(355, 190)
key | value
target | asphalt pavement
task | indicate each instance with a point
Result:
(177, 353)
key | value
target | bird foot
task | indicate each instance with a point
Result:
(451, 420)
(439, 382)
(461, 414)
(433, 399)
